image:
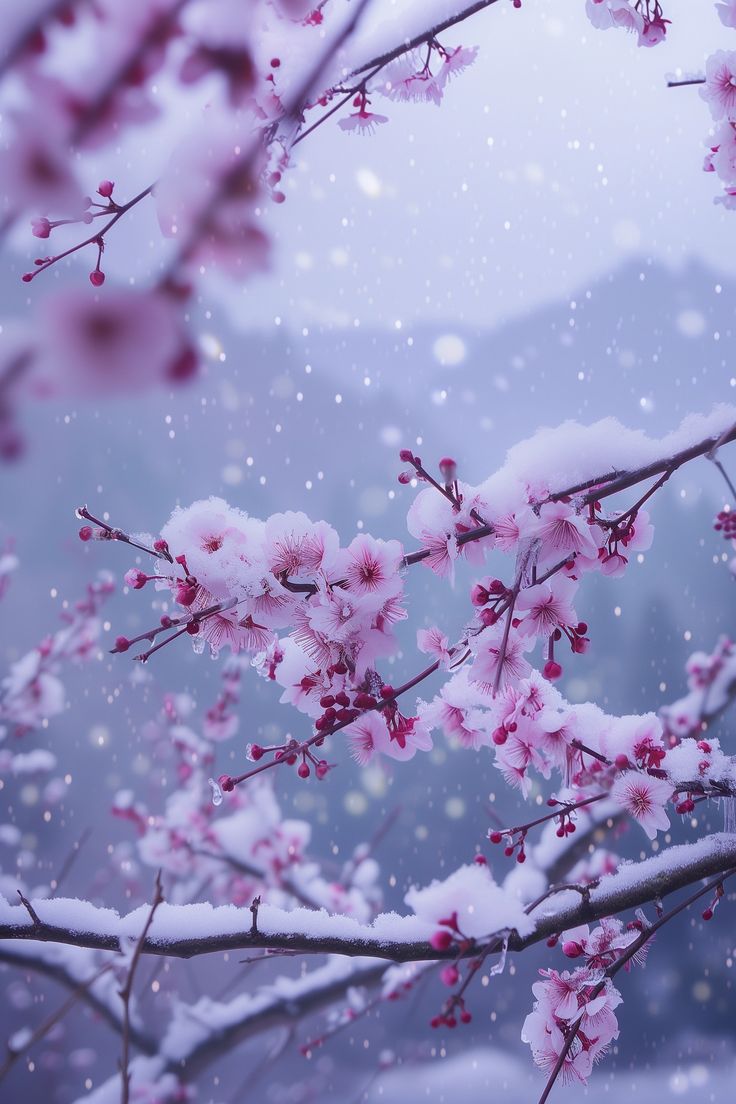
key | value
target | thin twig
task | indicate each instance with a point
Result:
(127, 989)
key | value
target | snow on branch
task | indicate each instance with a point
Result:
(188, 930)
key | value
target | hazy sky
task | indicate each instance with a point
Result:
(557, 154)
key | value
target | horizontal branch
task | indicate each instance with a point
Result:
(425, 36)
(616, 481)
(185, 931)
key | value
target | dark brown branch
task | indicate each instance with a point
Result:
(420, 39)
(621, 481)
(617, 893)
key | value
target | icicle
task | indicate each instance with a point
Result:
(500, 966)
(729, 815)
(216, 792)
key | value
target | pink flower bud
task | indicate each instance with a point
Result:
(40, 227)
(97, 278)
(552, 670)
(226, 783)
(105, 188)
(85, 533)
(406, 456)
(121, 643)
(450, 976)
(479, 595)
(440, 940)
(572, 949)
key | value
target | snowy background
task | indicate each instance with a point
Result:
(544, 246)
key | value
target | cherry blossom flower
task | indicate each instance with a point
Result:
(489, 655)
(727, 12)
(454, 711)
(519, 751)
(437, 524)
(547, 1043)
(35, 171)
(209, 534)
(371, 566)
(719, 90)
(604, 945)
(604, 14)
(562, 532)
(569, 1000)
(723, 154)
(368, 737)
(547, 606)
(435, 643)
(644, 798)
(124, 340)
(410, 78)
(298, 547)
(362, 121)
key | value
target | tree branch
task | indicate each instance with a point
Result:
(185, 931)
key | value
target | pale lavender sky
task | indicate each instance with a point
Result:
(558, 154)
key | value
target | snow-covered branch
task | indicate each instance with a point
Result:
(185, 931)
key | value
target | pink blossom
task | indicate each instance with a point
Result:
(362, 121)
(644, 798)
(371, 566)
(562, 532)
(490, 654)
(723, 155)
(605, 14)
(122, 340)
(571, 1000)
(35, 171)
(655, 31)
(547, 606)
(518, 753)
(727, 12)
(435, 643)
(298, 547)
(719, 90)
(437, 524)
(368, 737)
(454, 711)
(547, 1043)
(210, 534)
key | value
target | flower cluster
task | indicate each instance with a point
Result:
(580, 1003)
(252, 850)
(644, 18)
(32, 692)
